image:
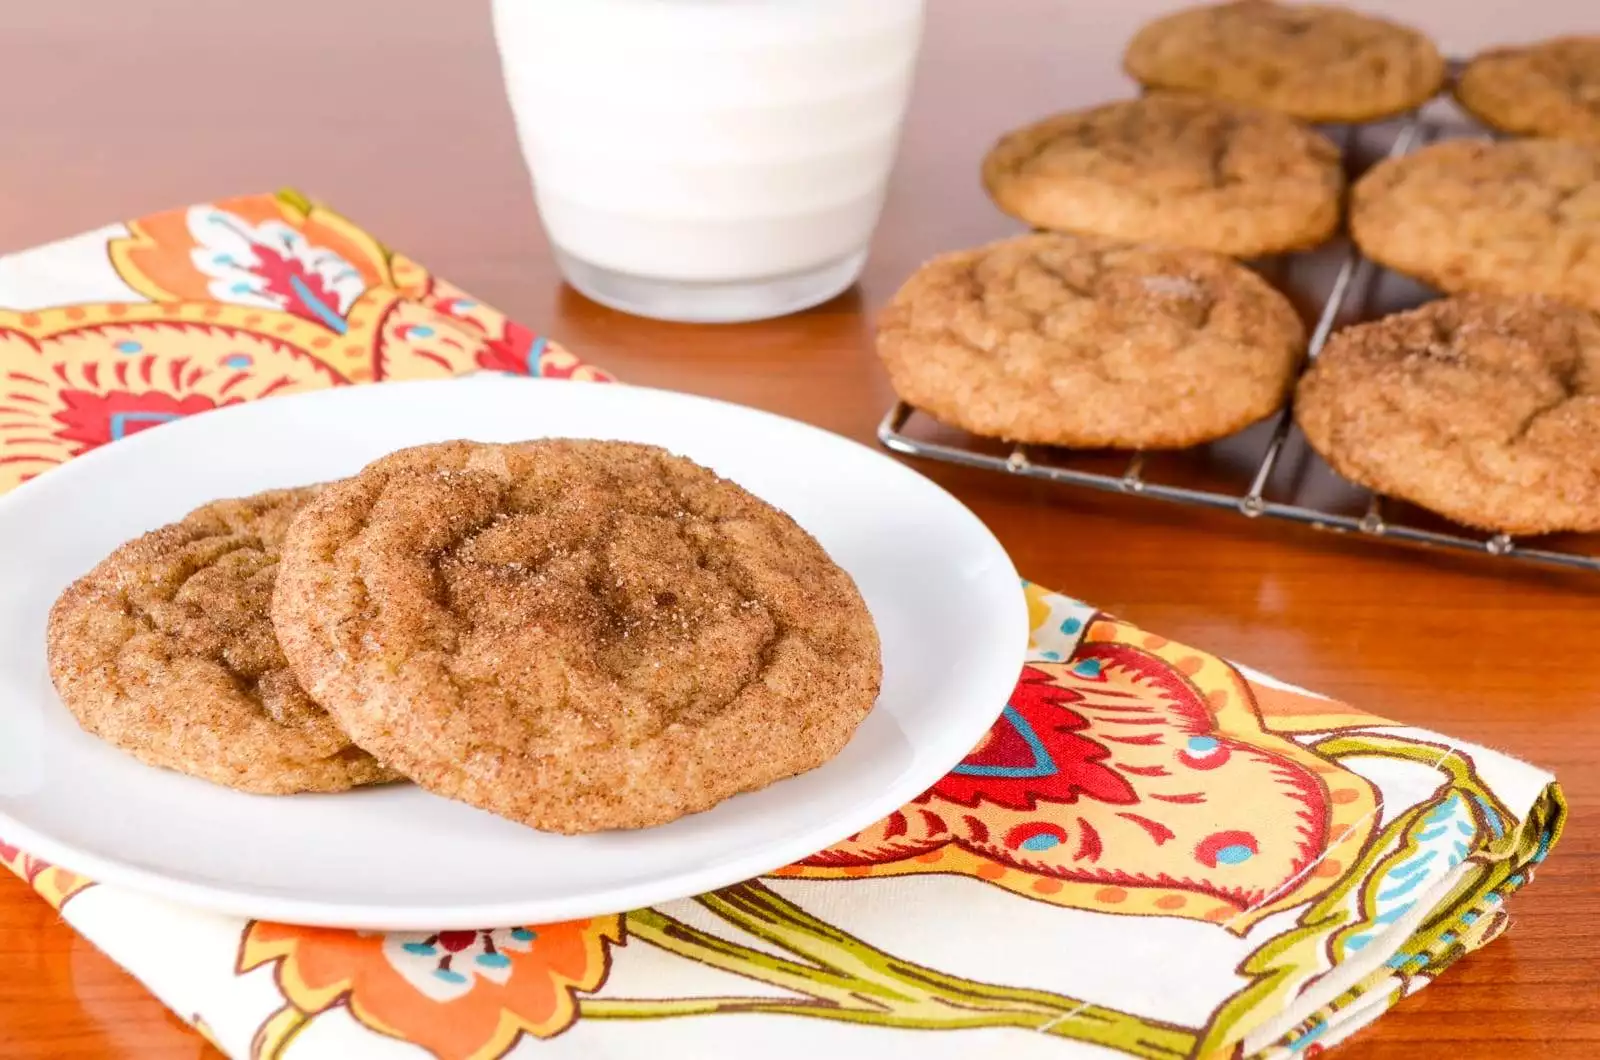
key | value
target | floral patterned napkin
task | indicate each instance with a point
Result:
(1153, 852)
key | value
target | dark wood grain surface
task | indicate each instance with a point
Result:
(393, 112)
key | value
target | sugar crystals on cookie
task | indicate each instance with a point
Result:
(1514, 217)
(1484, 409)
(1317, 62)
(577, 635)
(1551, 88)
(1090, 342)
(166, 651)
(1177, 168)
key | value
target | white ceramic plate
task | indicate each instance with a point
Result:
(946, 600)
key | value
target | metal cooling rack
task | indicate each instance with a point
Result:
(1274, 454)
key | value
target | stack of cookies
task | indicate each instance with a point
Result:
(575, 635)
(1124, 322)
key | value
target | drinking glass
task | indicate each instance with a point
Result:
(709, 160)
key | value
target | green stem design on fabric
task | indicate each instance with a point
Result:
(1278, 970)
(295, 199)
(1339, 944)
(839, 977)
(833, 975)
(1457, 767)
(1491, 875)
(1469, 893)
(1465, 919)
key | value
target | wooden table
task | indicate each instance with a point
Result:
(393, 111)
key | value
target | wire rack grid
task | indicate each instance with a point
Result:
(1348, 298)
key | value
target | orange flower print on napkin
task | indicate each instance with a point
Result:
(261, 251)
(251, 297)
(379, 315)
(52, 883)
(1134, 777)
(463, 995)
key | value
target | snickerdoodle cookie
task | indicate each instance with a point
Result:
(576, 635)
(1315, 62)
(166, 650)
(1085, 341)
(1177, 168)
(1484, 409)
(1516, 217)
(1547, 89)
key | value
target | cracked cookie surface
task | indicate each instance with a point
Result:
(1176, 168)
(1513, 217)
(1314, 62)
(577, 635)
(1484, 409)
(166, 650)
(1085, 341)
(1551, 88)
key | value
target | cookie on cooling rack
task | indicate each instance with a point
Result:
(1483, 409)
(1551, 88)
(1176, 168)
(1085, 341)
(1514, 217)
(166, 651)
(576, 635)
(1315, 62)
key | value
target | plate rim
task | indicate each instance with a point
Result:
(238, 901)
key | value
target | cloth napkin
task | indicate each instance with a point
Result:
(1153, 852)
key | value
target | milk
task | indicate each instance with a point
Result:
(709, 159)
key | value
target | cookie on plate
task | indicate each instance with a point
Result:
(166, 650)
(1515, 217)
(1547, 89)
(576, 635)
(1316, 62)
(1484, 409)
(1085, 341)
(1176, 168)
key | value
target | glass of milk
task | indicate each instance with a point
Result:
(709, 160)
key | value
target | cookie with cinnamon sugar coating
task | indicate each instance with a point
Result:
(166, 650)
(1549, 88)
(1315, 62)
(1238, 180)
(1508, 217)
(576, 635)
(1084, 341)
(1483, 409)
